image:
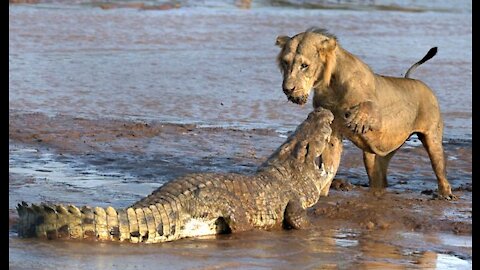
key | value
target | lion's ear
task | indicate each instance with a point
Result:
(327, 44)
(326, 48)
(282, 40)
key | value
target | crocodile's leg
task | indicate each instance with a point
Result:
(295, 215)
(221, 206)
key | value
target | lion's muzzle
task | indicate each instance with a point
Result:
(298, 100)
(288, 91)
(295, 94)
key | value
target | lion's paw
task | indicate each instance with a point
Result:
(362, 118)
(448, 197)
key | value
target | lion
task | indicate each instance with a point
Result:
(377, 113)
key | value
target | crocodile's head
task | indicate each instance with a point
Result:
(300, 159)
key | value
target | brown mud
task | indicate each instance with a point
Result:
(382, 210)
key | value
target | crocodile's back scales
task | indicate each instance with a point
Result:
(188, 206)
(225, 194)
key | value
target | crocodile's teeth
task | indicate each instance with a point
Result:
(323, 172)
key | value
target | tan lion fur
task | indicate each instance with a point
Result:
(377, 113)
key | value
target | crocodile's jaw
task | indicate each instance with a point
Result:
(320, 174)
(326, 177)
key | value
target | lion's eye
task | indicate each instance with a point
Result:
(304, 66)
(284, 64)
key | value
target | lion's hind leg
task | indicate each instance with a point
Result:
(377, 167)
(433, 144)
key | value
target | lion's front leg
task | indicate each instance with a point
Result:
(363, 117)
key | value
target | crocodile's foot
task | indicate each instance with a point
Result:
(297, 222)
(295, 216)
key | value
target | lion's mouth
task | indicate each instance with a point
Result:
(298, 100)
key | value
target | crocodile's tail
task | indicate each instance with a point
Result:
(135, 225)
(431, 53)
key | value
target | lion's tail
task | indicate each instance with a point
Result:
(431, 53)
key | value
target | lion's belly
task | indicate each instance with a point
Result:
(377, 142)
(359, 141)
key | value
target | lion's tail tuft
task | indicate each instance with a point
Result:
(431, 53)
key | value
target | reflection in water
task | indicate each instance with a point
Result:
(310, 249)
(377, 254)
(391, 251)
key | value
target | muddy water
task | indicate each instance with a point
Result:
(108, 103)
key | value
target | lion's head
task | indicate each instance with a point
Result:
(306, 61)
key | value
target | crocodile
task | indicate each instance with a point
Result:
(276, 195)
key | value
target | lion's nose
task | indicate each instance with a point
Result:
(288, 91)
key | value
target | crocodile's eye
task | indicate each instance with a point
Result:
(303, 66)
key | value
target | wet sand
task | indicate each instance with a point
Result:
(106, 105)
